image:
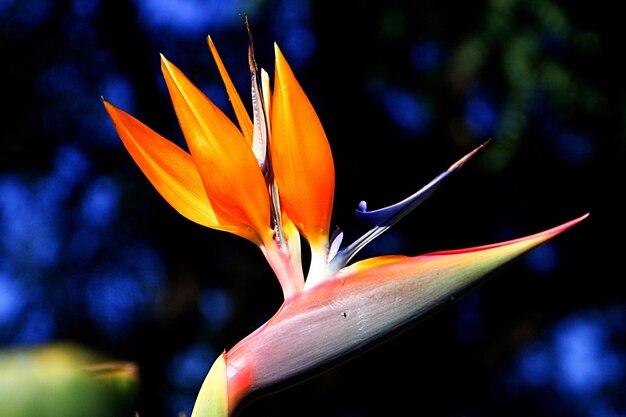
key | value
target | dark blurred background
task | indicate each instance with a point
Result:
(90, 253)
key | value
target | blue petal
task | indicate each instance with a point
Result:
(382, 219)
(389, 215)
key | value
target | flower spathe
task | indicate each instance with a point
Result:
(271, 180)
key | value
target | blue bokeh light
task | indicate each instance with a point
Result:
(12, 299)
(99, 206)
(534, 365)
(585, 360)
(28, 225)
(63, 78)
(70, 166)
(118, 89)
(299, 46)
(575, 147)
(51, 228)
(120, 295)
(295, 37)
(543, 259)
(112, 299)
(186, 371)
(426, 55)
(189, 366)
(23, 16)
(406, 110)
(578, 361)
(5, 5)
(215, 306)
(85, 8)
(480, 114)
(39, 325)
(191, 18)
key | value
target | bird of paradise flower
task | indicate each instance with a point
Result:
(271, 180)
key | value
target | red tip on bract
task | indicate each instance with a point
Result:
(478, 257)
(538, 237)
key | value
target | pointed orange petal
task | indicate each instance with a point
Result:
(245, 123)
(172, 172)
(301, 156)
(229, 171)
(170, 169)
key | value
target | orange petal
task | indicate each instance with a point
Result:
(172, 172)
(301, 157)
(226, 164)
(243, 118)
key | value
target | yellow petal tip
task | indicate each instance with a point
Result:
(212, 400)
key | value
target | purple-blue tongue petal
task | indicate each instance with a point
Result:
(382, 219)
(389, 215)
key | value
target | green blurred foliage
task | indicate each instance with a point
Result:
(512, 47)
(63, 380)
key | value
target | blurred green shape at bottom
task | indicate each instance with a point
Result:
(65, 380)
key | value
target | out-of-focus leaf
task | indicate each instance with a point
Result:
(64, 380)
